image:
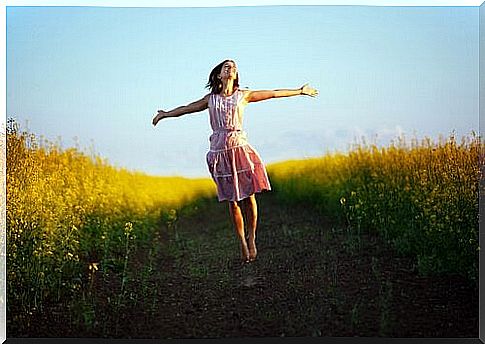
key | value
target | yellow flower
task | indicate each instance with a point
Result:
(93, 266)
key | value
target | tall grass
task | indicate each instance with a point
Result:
(422, 196)
(69, 213)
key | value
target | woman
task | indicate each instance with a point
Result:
(234, 164)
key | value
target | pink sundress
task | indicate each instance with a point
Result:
(235, 166)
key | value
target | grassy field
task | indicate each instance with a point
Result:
(421, 197)
(71, 216)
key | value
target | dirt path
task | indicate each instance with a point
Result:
(311, 279)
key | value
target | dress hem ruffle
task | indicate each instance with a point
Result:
(242, 197)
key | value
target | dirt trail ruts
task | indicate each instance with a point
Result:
(311, 278)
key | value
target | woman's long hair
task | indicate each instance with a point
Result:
(214, 83)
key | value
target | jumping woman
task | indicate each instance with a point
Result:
(235, 166)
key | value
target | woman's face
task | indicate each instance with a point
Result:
(229, 70)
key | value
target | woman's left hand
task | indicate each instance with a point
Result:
(309, 91)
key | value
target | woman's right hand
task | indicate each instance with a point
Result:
(308, 91)
(160, 115)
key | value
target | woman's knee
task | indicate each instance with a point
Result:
(233, 206)
(250, 201)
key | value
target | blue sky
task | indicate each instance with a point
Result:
(99, 75)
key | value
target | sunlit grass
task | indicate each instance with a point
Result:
(69, 214)
(421, 196)
(71, 217)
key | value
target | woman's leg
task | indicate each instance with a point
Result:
(251, 212)
(237, 220)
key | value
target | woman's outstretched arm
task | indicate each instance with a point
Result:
(256, 96)
(196, 106)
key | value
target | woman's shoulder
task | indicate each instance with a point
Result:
(209, 98)
(243, 94)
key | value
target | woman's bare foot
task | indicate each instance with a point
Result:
(245, 256)
(253, 252)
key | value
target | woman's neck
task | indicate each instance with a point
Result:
(227, 87)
